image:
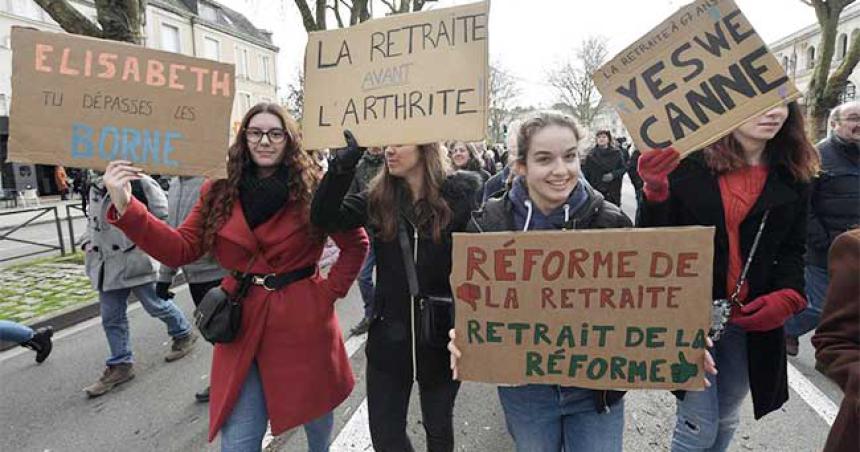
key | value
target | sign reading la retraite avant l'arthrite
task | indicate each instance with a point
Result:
(405, 79)
(601, 309)
(695, 77)
(82, 102)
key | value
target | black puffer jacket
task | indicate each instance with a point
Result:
(835, 201)
(694, 200)
(390, 339)
(497, 215)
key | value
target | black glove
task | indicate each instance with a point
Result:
(162, 291)
(346, 159)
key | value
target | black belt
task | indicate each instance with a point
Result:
(274, 281)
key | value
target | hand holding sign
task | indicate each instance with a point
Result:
(117, 181)
(654, 168)
(346, 159)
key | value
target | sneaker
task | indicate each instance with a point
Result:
(41, 343)
(792, 345)
(181, 347)
(202, 396)
(361, 328)
(112, 377)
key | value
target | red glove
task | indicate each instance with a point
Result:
(654, 168)
(770, 311)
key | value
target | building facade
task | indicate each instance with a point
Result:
(199, 28)
(798, 51)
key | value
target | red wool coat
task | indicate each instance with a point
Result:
(292, 333)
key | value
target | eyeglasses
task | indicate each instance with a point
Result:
(275, 136)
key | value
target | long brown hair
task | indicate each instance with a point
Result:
(386, 191)
(303, 173)
(789, 149)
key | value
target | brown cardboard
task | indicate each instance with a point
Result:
(82, 102)
(365, 78)
(505, 281)
(670, 65)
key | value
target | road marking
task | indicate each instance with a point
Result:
(71, 331)
(352, 345)
(355, 435)
(812, 395)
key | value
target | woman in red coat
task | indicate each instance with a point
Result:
(288, 364)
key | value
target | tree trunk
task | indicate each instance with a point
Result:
(120, 20)
(69, 18)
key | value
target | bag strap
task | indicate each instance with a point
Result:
(743, 278)
(245, 282)
(408, 262)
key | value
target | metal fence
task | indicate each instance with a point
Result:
(35, 214)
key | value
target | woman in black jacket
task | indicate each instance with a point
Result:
(418, 192)
(756, 176)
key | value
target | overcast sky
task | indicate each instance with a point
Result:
(529, 37)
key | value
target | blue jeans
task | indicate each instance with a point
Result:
(707, 420)
(113, 304)
(551, 418)
(365, 282)
(244, 429)
(15, 332)
(816, 289)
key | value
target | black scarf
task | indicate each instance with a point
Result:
(263, 198)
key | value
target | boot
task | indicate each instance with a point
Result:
(203, 395)
(41, 343)
(792, 345)
(113, 376)
(181, 347)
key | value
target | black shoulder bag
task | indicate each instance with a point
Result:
(219, 315)
(436, 313)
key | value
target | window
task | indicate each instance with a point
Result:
(211, 49)
(241, 62)
(244, 103)
(6, 42)
(264, 68)
(4, 109)
(810, 57)
(849, 93)
(170, 38)
(841, 46)
(208, 12)
(785, 63)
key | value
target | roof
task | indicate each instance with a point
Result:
(848, 13)
(227, 21)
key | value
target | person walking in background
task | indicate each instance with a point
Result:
(837, 339)
(368, 167)
(753, 182)
(834, 207)
(287, 365)
(62, 181)
(417, 201)
(201, 275)
(465, 157)
(37, 340)
(604, 167)
(116, 268)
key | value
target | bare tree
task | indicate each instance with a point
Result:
(295, 100)
(118, 20)
(825, 88)
(572, 79)
(358, 11)
(502, 90)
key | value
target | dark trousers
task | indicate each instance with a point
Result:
(198, 290)
(388, 406)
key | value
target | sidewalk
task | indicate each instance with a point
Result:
(10, 219)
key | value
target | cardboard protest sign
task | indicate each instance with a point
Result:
(405, 79)
(601, 309)
(82, 102)
(693, 78)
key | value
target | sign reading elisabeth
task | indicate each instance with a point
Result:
(600, 309)
(405, 79)
(692, 79)
(82, 102)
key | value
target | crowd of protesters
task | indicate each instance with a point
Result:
(776, 202)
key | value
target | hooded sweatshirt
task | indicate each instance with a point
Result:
(527, 217)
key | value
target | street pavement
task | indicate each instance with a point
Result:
(42, 407)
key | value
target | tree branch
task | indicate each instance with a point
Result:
(390, 6)
(307, 17)
(337, 17)
(69, 18)
(321, 22)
